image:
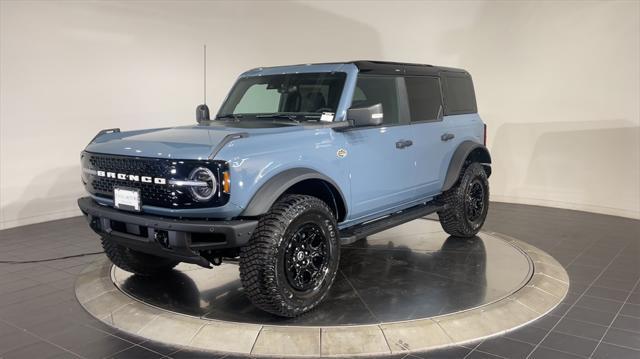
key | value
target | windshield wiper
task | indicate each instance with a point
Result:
(229, 115)
(286, 116)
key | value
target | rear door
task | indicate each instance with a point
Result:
(434, 143)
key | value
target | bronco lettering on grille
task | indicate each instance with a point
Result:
(133, 178)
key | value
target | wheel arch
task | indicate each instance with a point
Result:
(298, 181)
(467, 151)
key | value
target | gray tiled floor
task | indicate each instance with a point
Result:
(600, 318)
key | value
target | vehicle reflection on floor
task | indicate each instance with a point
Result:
(409, 272)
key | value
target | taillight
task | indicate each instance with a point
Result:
(485, 134)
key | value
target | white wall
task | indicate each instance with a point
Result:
(557, 82)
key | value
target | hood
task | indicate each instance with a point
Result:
(186, 142)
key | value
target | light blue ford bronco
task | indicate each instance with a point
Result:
(298, 161)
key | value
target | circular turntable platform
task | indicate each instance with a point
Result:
(410, 288)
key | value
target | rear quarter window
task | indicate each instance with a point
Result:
(459, 95)
(425, 99)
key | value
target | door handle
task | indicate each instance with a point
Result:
(447, 136)
(403, 143)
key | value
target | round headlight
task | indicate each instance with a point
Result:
(207, 184)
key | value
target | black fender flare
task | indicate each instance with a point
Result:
(464, 150)
(276, 186)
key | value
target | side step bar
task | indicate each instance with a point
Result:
(359, 231)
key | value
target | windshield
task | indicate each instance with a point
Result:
(299, 97)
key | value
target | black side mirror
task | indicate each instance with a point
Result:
(202, 113)
(366, 116)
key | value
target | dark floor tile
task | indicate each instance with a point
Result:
(571, 298)
(623, 338)
(583, 274)
(631, 310)
(481, 355)
(42, 350)
(560, 310)
(528, 334)
(593, 261)
(52, 327)
(446, 353)
(627, 323)
(634, 298)
(75, 335)
(15, 339)
(547, 322)
(548, 353)
(101, 327)
(569, 343)
(577, 288)
(616, 283)
(608, 351)
(235, 356)
(506, 347)
(101, 348)
(189, 354)
(26, 294)
(159, 347)
(136, 352)
(590, 315)
(580, 329)
(17, 285)
(601, 304)
(624, 274)
(5, 328)
(607, 293)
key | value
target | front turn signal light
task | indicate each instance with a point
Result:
(226, 182)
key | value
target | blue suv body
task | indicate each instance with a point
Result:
(354, 147)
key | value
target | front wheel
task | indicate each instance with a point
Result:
(466, 204)
(292, 258)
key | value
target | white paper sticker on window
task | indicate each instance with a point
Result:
(327, 117)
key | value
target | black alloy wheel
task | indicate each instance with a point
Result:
(474, 200)
(306, 258)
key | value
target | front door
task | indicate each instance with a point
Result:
(380, 158)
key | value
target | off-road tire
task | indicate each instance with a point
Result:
(262, 261)
(454, 218)
(136, 262)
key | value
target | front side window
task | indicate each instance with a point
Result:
(372, 90)
(425, 100)
(301, 96)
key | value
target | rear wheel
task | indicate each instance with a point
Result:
(136, 262)
(466, 204)
(292, 258)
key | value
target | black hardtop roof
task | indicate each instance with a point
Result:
(403, 68)
(387, 68)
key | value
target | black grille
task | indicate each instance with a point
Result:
(153, 194)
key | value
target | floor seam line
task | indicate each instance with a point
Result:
(573, 305)
(359, 297)
(614, 318)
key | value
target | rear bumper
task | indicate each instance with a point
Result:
(179, 239)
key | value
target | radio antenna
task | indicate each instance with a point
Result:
(202, 111)
(205, 74)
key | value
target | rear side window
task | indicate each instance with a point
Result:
(425, 100)
(459, 95)
(371, 90)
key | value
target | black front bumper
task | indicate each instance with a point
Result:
(181, 239)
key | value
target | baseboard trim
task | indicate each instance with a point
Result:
(572, 206)
(67, 213)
